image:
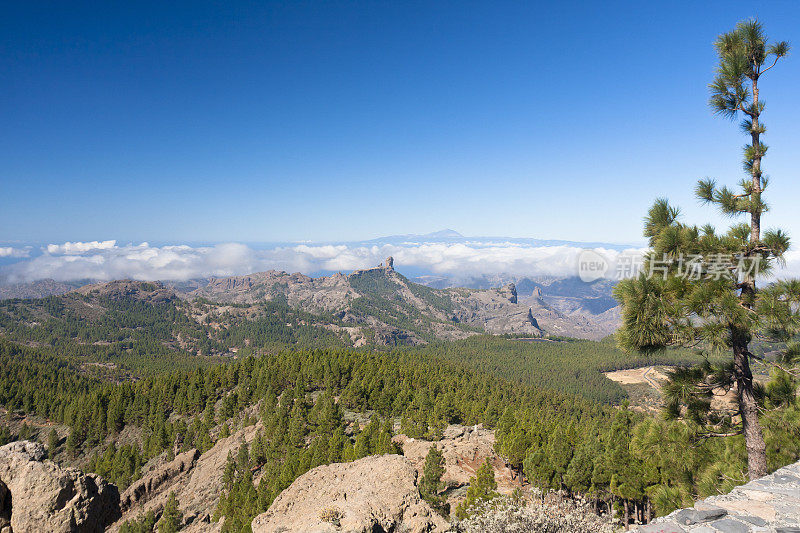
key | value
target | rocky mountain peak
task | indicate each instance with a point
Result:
(146, 291)
(510, 292)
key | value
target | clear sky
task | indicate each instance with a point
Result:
(259, 121)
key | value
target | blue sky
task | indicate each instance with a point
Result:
(329, 121)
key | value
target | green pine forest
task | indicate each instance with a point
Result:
(135, 380)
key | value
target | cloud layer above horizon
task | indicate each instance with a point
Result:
(105, 260)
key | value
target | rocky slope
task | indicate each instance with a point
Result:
(195, 479)
(36, 289)
(38, 495)
(384, 300)
(374, 491)
(143, 291)
(570, 317)
(379, 493)
(379, 305)
(564, 306)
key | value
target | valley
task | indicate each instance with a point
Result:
(156, 389)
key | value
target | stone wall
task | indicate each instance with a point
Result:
(768, 504)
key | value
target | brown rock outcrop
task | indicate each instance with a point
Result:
(376, 493)
(38, 495)
(144, 488)
(465, 448)
(510, 292)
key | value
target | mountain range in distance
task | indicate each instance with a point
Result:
(495, 303)
(381, 306)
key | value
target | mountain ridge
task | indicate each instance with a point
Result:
(383, 300)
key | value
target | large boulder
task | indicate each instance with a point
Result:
(38, 495)
(376, 493)
(465, 449)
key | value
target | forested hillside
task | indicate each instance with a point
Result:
(123, 369)
(569, 365)
(124, 330)
(134, 328)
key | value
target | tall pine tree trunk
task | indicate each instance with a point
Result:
(748, 407)
(625, 511)
(755, 139)
(753, 437)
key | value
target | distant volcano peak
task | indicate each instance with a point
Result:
(445, 233)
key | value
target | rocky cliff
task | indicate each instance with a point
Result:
(374, 492)
(464, 448)
(38, 495)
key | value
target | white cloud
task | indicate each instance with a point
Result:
(105, 260)
(9, 251)
(74, 248)
(792, 268)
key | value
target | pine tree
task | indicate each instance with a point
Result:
(52, 442)
(626, 480)
(431, 482)
(704, 288)
(482, 488)
(383, 442)
(559, 453)
(578, 477)
(73, 443)
(143, 524)
(171, 518)
(538, 468)
(25, 432)
(5, 435)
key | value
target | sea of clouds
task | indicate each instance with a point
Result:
(107, 260)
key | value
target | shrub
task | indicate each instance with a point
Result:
(514, 515)
(331, 515)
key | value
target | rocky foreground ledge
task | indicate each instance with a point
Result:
(376, 493)
(769, 504)
(38, 495)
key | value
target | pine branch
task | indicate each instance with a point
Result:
(769, 67)
(715, 435)
(793, 372)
